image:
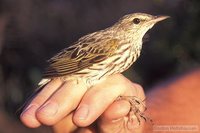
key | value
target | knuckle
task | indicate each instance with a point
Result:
(138, 86)
(139, 90)
(45, 120)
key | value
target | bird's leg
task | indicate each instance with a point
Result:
(135, 114)
(75, 80)
(91, 82)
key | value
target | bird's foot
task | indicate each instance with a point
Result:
(136, 113)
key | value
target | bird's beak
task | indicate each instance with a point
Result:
(157, 19)
(160, 18)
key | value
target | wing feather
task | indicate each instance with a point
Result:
(77, 58)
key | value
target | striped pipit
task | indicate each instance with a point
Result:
(97, 55)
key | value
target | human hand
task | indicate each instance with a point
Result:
(62, 99)
(113, 120)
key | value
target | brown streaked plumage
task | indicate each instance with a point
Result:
(103, 53)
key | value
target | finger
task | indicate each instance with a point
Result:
(61, 103)
(114, 118)
(28, 116)
(135, 90)
(116, 111)
(65, 125)
(98, 98)
(121, 108)
(86, 130)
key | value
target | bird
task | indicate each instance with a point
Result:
(95, 56)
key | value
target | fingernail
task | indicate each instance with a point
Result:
(82, 112)
(49, 109)
(30, 110)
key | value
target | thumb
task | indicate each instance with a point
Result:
(114, 119)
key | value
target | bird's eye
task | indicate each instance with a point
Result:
(136, 20)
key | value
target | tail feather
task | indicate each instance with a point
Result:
(41, 85)
(44, 82)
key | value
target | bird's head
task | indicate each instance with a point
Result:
(138, 24)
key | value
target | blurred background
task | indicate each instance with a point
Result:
(32, 31)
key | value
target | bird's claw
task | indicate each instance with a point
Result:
(137, 107)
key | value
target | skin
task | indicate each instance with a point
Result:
(90, 110)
